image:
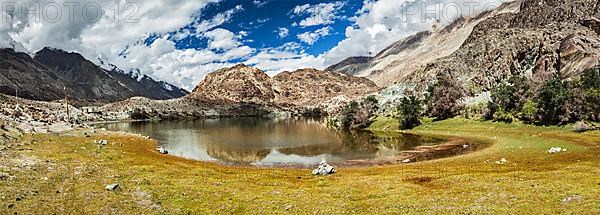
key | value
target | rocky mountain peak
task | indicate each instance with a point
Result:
(239, 83)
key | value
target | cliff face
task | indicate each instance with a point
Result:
(305, 87)
(546, 38)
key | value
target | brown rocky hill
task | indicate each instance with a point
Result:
(544, 39)
(308, 87)
(301, 88)
(236, 84)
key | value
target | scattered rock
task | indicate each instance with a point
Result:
(502, 161)
(465, 146)
(573, 198)
(324, 169)
(288, 207)
(554, 150)
(4, 176)
(101, 142)
(112, 187)
(406, 161)
(162, 150)
(582, 126)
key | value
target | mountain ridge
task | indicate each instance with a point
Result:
(53, 74)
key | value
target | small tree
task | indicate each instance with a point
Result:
(551, 100)
(358, 115)
(590, 83)
(445, 97)
(348, 114)
(410, 112)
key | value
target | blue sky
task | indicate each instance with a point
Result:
(260, 23)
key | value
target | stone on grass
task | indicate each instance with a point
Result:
(554, 150)
(112, 187)
(502, 161)
(582, 126)
(573, 198)
(324, 169)
(101, 142)
(406, 161)
(162, 150)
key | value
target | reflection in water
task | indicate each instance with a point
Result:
(270, 141)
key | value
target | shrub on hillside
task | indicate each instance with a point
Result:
(445, 97)
(410, 112)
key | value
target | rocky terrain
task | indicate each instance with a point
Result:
(542, 40)
(53, 74)
(297, 89)
(310, 87)
(407, 56)
(238, 84)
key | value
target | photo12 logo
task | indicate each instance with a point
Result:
(424, 11)
(73, 11)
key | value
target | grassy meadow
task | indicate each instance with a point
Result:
(67, 174)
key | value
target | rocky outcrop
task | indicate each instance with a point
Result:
(310, 87)
(54, 74)
(301, 88)
(238, 84)
(546, 38)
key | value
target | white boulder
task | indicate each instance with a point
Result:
(324, 169)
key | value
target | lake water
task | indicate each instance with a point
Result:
(270, 142)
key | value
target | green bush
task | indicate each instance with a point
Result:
(590, 83)
(528, 112)
(551, 102)
(410, 112)
(474, 111)
(503, 116)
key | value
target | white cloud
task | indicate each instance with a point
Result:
(258, 3)
(287, 57)
(217, 20)
(311, 37)
(221, 39)
(319, 14)
(283, 32)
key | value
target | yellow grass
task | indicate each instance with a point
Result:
(68, 173)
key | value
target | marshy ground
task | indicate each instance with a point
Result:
(67, 173)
